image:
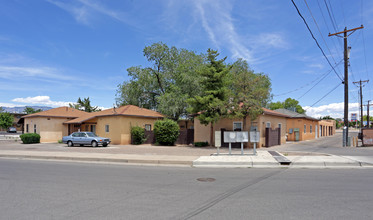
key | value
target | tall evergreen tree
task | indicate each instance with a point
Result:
(211, 105)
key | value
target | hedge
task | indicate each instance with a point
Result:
(201, 144)
(166, 132)
(30, 138)
(138, 135)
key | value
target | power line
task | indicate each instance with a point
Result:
(314, 20)
(324, 96)
(322, 51)
(332, 19)
(307, 84)
(322, 78)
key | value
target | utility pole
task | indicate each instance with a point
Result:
(368, 122)
(346, 57)
(360, 84)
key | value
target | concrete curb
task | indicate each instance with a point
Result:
(132, 159)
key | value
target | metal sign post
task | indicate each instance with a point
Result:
(217, 140)
(254, 138)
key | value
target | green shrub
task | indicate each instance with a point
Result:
(138, 135)
(166, 132)
(201, 144)
(60, 141)
(30, 138)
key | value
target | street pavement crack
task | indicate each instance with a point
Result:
(216, 199)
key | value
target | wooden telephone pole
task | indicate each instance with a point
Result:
(346, 54)
(360, 84)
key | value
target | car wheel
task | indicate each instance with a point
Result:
(70, 143)
(104, 145)
(94, 144)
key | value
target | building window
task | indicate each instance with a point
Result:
(237, 126)
(34, 128)
(87, 128)
(106, 128)
(311, 129)
(305, 128)
(268, 124)
(26, 128)
(148, 127)
(279, 125)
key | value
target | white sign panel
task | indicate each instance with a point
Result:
(242, 136)
(229, 137)
(254, 136)
(217, 138)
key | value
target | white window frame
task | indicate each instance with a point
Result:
(268, 124)
(238, 122)
(305, 128)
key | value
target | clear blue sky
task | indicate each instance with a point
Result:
(52, 52)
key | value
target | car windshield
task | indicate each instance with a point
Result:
(91, 134)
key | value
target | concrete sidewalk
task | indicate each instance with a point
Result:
(262, 160)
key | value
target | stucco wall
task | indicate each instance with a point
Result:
(293, 123)
(328, 127)
(120, 127)
(50, 129)
(202, 132)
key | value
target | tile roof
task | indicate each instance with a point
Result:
(271, 112)
(127, 110)
(292, 114)
(64, 112)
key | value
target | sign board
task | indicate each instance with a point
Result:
(236, 136)
(353, 117)
(242, 136)
(254, 136)
(217, 138)
(296, 129)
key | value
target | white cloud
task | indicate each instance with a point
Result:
(10, 105)
(41, 100)
(335, 110)
(269, 40)
(9, 72)
(83, 10)
(218, 23)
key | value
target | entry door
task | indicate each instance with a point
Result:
(316, 132)
(296, 135)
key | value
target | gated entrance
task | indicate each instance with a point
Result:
(272, 137)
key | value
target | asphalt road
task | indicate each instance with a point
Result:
(56, 190)
(328, 145)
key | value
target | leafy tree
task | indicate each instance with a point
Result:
(327, 118)
(29, 110)
(289, 103)
(165, 85)
(211, 105)
(249, 91)
(6, 120)
(84, 105)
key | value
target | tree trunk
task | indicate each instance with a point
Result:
(211, 134)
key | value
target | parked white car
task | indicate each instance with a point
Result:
(85, 138)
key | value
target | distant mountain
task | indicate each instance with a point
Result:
(22, 109)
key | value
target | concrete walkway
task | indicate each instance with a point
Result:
(263, 159)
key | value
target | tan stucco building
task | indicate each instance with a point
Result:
(268, 119)
(300, 127)
(327, 128)
(49, 124)
(115, 123)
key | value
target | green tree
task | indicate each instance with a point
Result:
(249, 91)
(166, 132)
(289, 103)
(165, 85)
(6, 120)
(211, 105)
(84, 105)
(29, 110)
(327, 118)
